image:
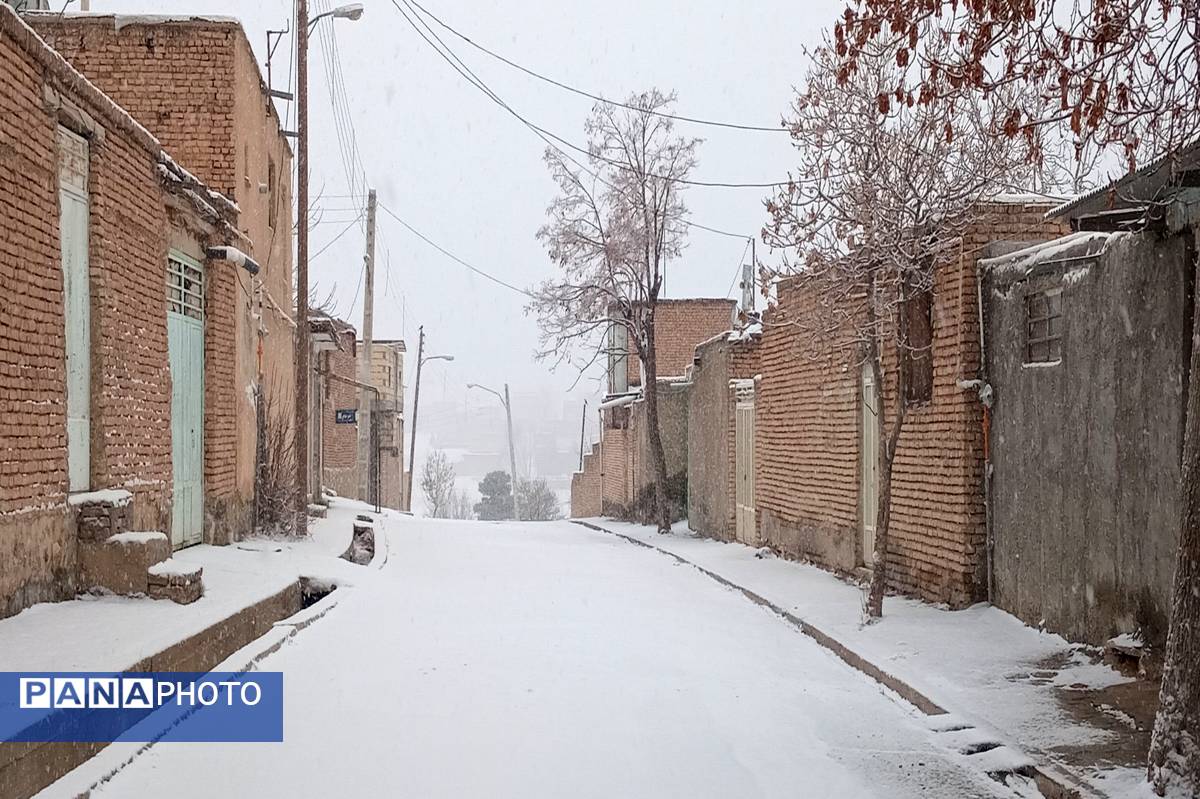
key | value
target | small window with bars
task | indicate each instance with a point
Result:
(185, 288)
(1044, 325)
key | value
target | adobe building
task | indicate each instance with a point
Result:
(817, 443)
(121, 273)
(721, 436)
(618, 474)
(333, 423)
(193, 84)
(387, 376)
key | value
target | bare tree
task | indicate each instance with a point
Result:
(612, 229)
(1120, 74)
(537, 501)
(461, 506)
(1123, 75)
(880, 196)
(437, 483)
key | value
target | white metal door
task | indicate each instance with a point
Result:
(73, 234)
(744, 473)
(869, 466)
(185, 345)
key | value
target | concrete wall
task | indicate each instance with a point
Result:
(1086, 453)
(710, 434)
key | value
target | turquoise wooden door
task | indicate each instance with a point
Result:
(185, 344)
(77, 301)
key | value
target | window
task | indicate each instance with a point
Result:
(1044, 327)
(185, 287)
(918, 344)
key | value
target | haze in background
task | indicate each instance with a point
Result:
(470, 176)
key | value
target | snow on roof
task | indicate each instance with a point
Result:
(621, 401)
(747, 333)
(125, 20)
(1076, 245)
(1024, 198)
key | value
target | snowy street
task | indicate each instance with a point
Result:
(544, 659)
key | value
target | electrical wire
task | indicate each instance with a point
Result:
(333, 241)
(535, 74)
(451, 255)
(476, 81)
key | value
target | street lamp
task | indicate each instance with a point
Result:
(352, 12)
(512, 455)
(301, 429)
(412, 445)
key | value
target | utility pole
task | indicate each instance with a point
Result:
(412, 429)
(512, 452)
(748, 282)
(300, 431)
(365, 404)
(582, 433)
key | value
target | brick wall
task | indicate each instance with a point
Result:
(808, 432)
(195, 85)
(339, 442)
(128, 234)
(585, 486)
(679, 325)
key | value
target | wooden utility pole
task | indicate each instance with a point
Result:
(365, 397)
(512, 452)
(412, 434)
(300, 431)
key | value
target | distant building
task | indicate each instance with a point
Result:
(387, 376)
(618, 473)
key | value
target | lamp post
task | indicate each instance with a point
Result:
(412, 447)
(304, 26)
(512, 453)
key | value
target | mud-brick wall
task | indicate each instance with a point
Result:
(808, 430)
(1086, 452)
(131, 441)
(339, 442)
(710, 434)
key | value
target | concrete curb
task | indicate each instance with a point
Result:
(1052, 781)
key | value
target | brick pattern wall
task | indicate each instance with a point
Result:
(131, 379)
(131, 383)
(176, 79)
(220, 382)
(585, 486)
(35, 548)
(679, 325)
(339, 442)
(808, 428)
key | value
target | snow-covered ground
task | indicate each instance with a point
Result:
(983, 665)
(547, 660)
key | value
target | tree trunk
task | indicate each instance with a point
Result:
(1174, 762)
(658, 456)
(887, 457)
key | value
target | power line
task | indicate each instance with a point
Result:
(332, 241)
(534, 74)
(478, 82)
(451, 255)
(471, 78)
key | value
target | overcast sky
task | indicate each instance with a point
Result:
(469, 176)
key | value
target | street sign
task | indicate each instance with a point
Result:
(345, 416)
